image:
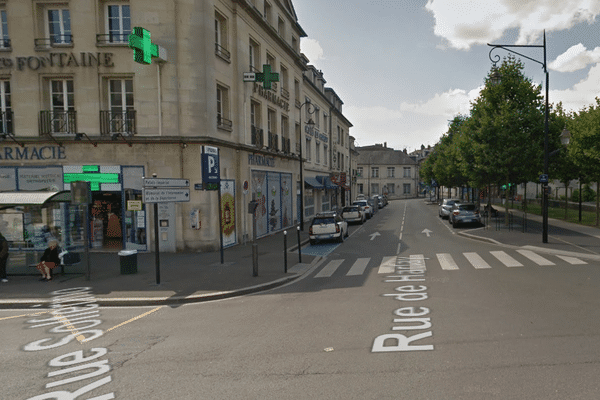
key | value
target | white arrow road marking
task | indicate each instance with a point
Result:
(426, 231)
(374, 235)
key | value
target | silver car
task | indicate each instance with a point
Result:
(446, 207)
(464, 213)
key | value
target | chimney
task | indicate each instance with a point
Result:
(385, 144)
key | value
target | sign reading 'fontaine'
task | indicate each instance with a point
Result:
(61, 60)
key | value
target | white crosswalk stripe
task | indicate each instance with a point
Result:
(572, 260)
(329, 269)
(506, 259)
(476, 261)
(359, 266)
(446, 261)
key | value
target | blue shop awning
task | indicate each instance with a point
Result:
(326, 182)
(314, 183)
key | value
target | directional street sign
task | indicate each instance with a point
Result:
(249, 77)
(166, 195)
(166, 182)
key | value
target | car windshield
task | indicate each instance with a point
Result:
(324, 220)
(350, 209)
(467, 207)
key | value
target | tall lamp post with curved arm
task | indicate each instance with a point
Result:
(310, 124)
(495, 78)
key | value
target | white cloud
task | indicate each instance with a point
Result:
(311, 49)
(422, 123)
(580, 95)
(575, 58)
(465, 23)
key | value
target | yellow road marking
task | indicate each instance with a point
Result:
(25, 315)
(134, 318)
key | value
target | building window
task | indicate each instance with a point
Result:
(267, 9)
(297, 91)
(375, 172)
(6, 122)
(118, 23)
(374, 188)
(325, 122)
(62, 103)
(309, 205)
(325, 154)
(308, 150)
(339, 134)
(59, 27)
(271, 121)
(223, 121)
(221, 37)
(284, 82)
(255, 114)
(317, 153)
(406, 188)
(254, 54)
(360, 188)
(391, 172)
(390, 188)
(120, 102)
(317, 116)
(4, 40)
(281, 27)
(406, 172)
(359, 172)
(295, 43)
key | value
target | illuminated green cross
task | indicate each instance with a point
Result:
(266, 77)
(143, 48)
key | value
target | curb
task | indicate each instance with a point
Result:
(165, 301)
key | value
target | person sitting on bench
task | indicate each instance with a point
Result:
(49, 260)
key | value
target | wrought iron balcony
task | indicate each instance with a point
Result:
(286, 145)
(222, 52)
(6, 123)
(112, 38)
(223, 123)
(5, 44)
(273, 141)
(257, 137)
(54, 41)
(114, 122)
(285, 93)
(58, 122)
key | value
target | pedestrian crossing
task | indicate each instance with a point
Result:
(448, 262)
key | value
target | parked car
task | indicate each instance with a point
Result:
(366, 206)
(327, 226)
(377, 200)
(354, 214)
(464, 213)
(361, 197)
(446, 207)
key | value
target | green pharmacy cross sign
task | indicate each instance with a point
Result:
(143, 48)
(266, 77)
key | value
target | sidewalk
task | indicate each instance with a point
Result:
(184, 277)
(525, 231)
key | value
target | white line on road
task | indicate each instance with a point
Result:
(476, 261)
(536, 258)
(359, 266)
(329, 269)
(506, 259)
(446, 261)
(572, 260)
(387, 266)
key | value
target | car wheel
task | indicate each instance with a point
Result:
(347, 233)
(454, 224)
(341, 238)
(312, 242)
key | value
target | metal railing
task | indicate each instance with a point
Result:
(61, 122)
(224, 123)
(257, 137)
(222, 52)
(273, 141)
(112, 38)
(123, 122)
(54, 41)
(6, 123)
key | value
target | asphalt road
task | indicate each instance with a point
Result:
(403, 309)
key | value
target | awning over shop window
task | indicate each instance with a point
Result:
(28, 198)
(326, 182)
(314, 183)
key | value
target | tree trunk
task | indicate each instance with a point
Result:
(566, 200)
(506, 204)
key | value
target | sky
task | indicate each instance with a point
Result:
(405, 68)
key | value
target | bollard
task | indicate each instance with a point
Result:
(299, 247)
(285, 251)
(254, 259)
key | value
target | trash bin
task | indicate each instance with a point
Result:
(128, 260)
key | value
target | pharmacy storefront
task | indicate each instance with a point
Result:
(117, 217)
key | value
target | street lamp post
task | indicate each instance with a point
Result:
(496, 78)
(310, 123)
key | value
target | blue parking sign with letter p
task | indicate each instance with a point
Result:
(211, 173)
